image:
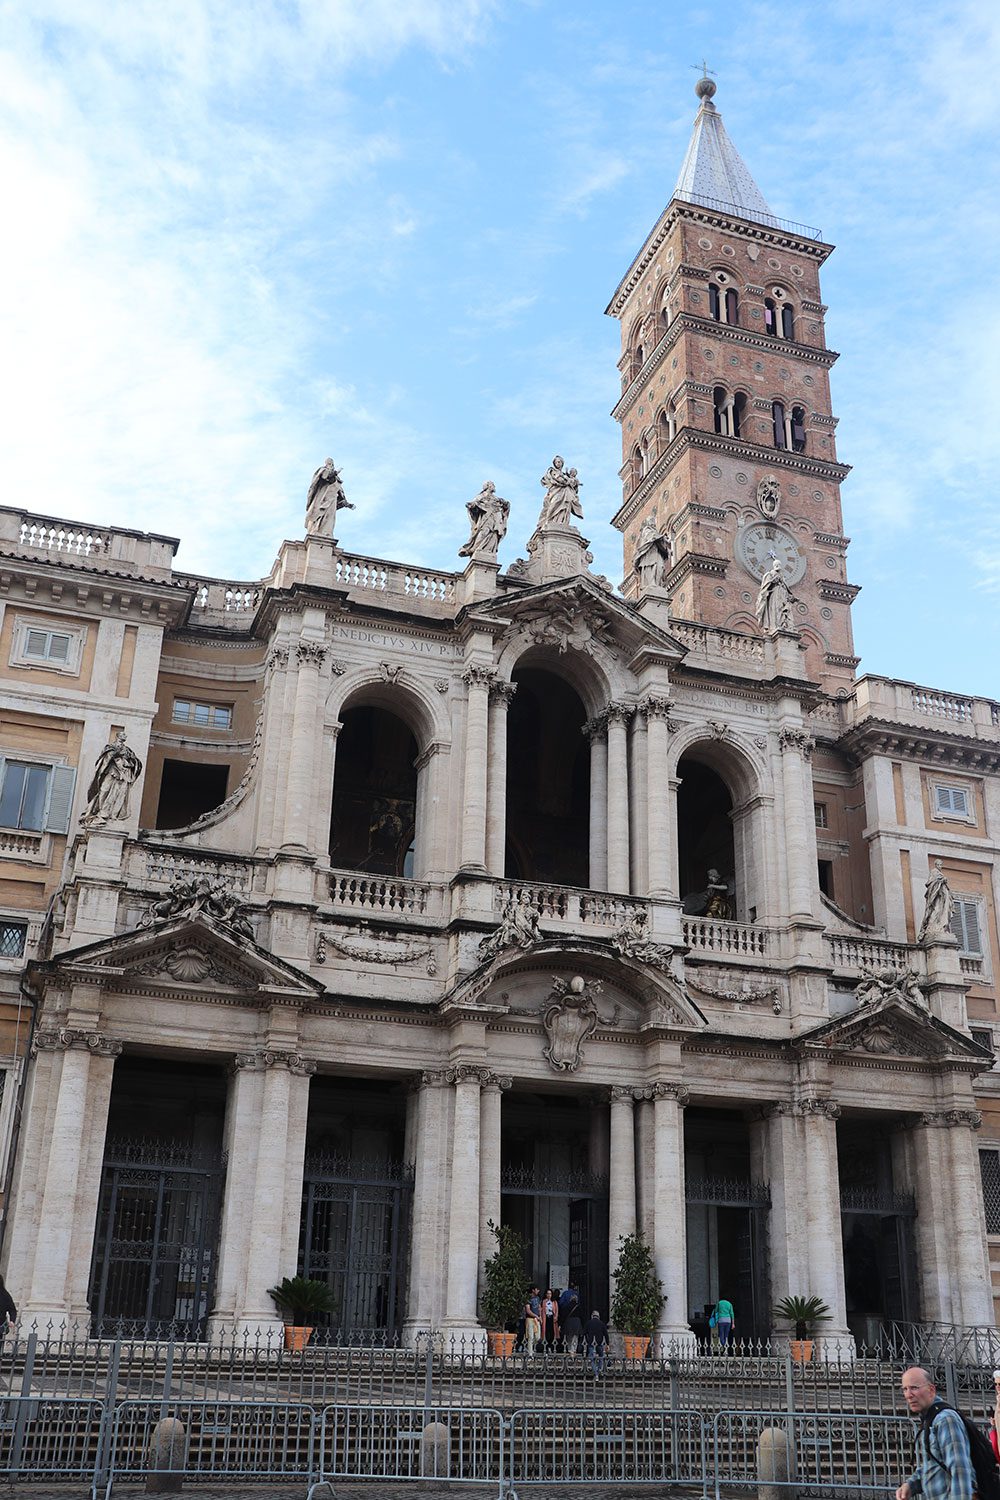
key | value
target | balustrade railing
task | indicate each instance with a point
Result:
(214, 596)
(373, 573)
(714, 642)
(44, 535)
(385, 894)
(742, 939)
(164, 866)
(867, 953)
(571, 904)
(942, 705)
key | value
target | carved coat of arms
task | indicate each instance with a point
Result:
(569, 1019)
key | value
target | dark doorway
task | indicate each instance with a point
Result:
(373, 820)
(188, 789)
(727, 1214)
(156, 1241)
(548, 782)
(877, 1223)
(705, 842)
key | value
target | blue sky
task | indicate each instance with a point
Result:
(241, 236)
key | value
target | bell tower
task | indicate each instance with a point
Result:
(728, 439)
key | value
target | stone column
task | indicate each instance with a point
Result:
(300, 749)
(776, 1137)
(638, 780)
(621, 1177)
(477, 680)
(799, 825)
(492, 1089)
(501, 696)
(670, 1209)
(462, 1265)
(596, 731)
(951, 1244)
(659, 795)
(618, 841)
(822, 1228)
(265, 1137)
(67, 1211)
(428, 1246)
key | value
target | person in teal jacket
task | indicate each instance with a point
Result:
(724, 1317)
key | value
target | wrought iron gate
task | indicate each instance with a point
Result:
(751, 1202)
(355, 1235)
(156, 1245)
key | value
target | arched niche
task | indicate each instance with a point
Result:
(719, 829)
(374, 809)
(548, 780)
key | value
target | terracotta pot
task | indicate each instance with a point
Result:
(801, 1350)
(502, 1344)
(296, 1338)
(636, 1345)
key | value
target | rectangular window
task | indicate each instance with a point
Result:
(983, 1036)
(952, 802)
(204, 715)
(967, 925)
(23, 792)
(47, 645)
(825, 870)
(989, 1169)
(12, 938)
(820, 814)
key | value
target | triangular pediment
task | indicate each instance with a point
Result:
(192, 954)
(578, 614)
(897, 1029)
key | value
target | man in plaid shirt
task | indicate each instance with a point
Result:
(944, 1463)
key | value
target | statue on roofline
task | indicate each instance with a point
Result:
(326, 496)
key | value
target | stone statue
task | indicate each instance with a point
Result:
(568, 1020)
(774, 599)
(878, 986)
(939, 906)
(326, 496)
(631, 939)
(717, 904)
(562, 495)
(517, 928)
(117, 770)
(769, 496)
(653, 556)
(488, 514)
(197, 896)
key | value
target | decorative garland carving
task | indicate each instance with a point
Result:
(770, 994)
(392, 950)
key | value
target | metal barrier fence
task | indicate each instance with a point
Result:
(826, 1454)
(607, 1447)
(223, 1440)
(399, 1443)
(50, 1437)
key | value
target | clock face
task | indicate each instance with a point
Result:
(757, 544)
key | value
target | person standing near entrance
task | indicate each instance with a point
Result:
(596, 1339)
(532, 1320)
(550, 1319)
(723, 1319)
(944, 1459)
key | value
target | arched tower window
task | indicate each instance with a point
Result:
(770, 317)
(798, 432)
(787, 321)
(548, 782)
(729, 411)
(714, 302)
(732, 306)
(636, 465)
(778, 423)
(373, 823)
(720, 401)
(666, 427)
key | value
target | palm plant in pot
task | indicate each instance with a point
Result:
(638, 1296)
(301, 1301)
(505, 1288)
(806, 1313)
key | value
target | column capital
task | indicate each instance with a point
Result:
(62, 1038)
(619, 713)
(277, 658)
(675, 1091)
(655, 706)
(595, 728)
(478, 676)
(771, 1111)
(796, 739)
(950, 1118)
(623, 1093)
(310, 653)
(829, 1109)
(495, 1083)
(432, 1078)
(468, 1073)
(260, 1062)
(501, 692)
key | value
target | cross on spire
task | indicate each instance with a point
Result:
(706, 71)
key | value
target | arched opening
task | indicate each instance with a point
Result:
(636, 465)
(732, 306)
(706, 851)
(739, 412)
(374, 814)
(787, 321)
(665, 429)
(770, 317)
(714, 301)
(548, 782)
(778, 423)
(720, 402)
(798, 429)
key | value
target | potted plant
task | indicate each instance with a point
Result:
(806, 1313)
(505, 1288)
(301, 1301)
(638, 1295)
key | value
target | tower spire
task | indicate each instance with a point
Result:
(714, 173)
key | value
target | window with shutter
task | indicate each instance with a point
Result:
(47, 645)
(60, 799)
(989, 1170)
(23, 791)
(966, 924)
(952, 801)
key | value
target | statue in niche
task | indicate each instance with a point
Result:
(517, 928)
(569, 1019)
(768, 497)
(488, 514)
(653, 556)
(717, 903)
(939, 907)
(326, 496)
(117, 770)
(562, 495)
(774, 599)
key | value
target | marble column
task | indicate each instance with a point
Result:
(300, 747)
(463, 1215)
(501, 697)
(823, 1231)
(492, 1090)
(776, 1142)
(670, 1210)
(638, 780)
(428, 1243)
(621, 1177)
(477, 680)
(798, 822)
(596, 731)
(952, 1262)
(618, 715)
(658, 796)
(67, 1211)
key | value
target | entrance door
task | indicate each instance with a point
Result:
(156, 1246)
(354, 1235)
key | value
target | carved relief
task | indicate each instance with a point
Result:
(631, 939)
(390, 671)
(375, 948)
(746, 995)
(796, 739)
(879, 986)
(769, 496)
(569, 1020)
(310, 653)
(517, 928)
(200, 897)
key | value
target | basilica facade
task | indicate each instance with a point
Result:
(350, 910)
